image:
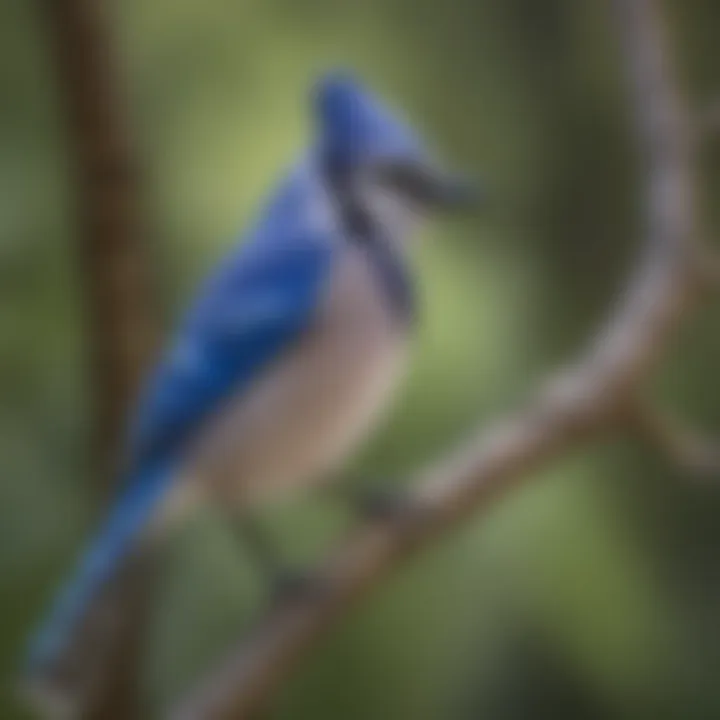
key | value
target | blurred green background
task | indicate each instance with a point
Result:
(594, 591)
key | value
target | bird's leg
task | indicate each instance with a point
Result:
(281, 579)
(373, 502)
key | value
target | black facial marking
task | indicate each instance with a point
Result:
(338, 179)
(357, 222)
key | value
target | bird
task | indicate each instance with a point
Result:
(284, 362)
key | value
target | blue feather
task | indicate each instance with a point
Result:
(251, 311)
(356, 127)
(130, 515)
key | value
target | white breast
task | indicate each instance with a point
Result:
(308, 412)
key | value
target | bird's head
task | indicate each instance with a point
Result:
(375, 166)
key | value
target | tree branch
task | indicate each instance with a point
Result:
(117, 290)
(709, 121)
(584, 400)
(115, 272)
(676, 441)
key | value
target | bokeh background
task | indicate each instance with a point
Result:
(592, 592)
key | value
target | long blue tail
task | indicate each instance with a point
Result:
(85, 605)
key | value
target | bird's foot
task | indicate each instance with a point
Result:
(379, 503)
(289, 583)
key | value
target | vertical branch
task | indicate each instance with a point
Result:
(117, 292)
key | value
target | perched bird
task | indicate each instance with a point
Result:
(284, 361)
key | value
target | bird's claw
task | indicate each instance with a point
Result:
(290, 583)
(381, 504)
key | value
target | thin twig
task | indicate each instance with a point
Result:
(584, 400)
(709, 121)
(674, 440)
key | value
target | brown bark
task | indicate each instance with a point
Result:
(118, 299)
(117, 295)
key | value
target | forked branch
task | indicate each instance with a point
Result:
(683, 446)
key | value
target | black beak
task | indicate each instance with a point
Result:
(452, 193)
(429, 187)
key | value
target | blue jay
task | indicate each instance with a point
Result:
(287, 357)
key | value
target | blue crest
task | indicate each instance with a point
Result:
(355, 126)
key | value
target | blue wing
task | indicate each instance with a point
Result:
(253, 309)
